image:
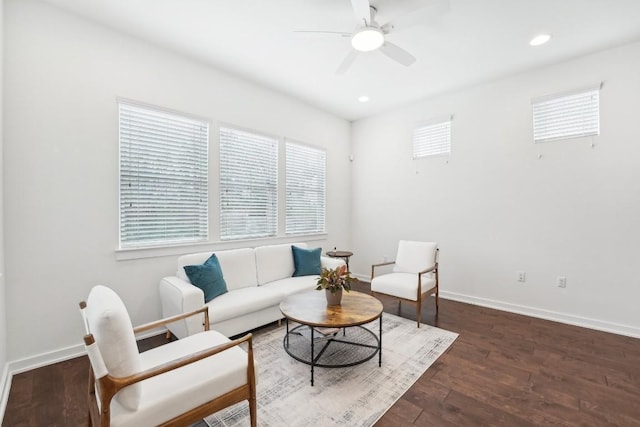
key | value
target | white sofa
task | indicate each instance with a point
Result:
(257, 279)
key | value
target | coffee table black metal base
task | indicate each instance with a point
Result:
(333, 347)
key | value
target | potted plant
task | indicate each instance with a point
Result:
(333, 281)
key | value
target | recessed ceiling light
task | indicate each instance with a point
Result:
(363, 98)
(540, 39)
(367, 39)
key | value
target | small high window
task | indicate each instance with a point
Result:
(432, 138)
(568, 115)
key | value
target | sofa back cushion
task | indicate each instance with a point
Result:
(275, 262)
(238, 266)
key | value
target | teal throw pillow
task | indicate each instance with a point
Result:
(207, 277)
(306, 261)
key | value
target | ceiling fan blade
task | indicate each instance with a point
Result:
(347, 61)
(398, 54)
(410, 18)
(328, 33)
(362, 9)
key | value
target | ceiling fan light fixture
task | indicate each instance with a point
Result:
(540, 39)
(367, 39)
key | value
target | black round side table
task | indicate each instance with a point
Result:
(345, 255)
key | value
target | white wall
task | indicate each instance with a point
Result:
(495, 208)
(3, 322)
(63, 75)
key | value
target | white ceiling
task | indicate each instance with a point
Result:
(473, 41)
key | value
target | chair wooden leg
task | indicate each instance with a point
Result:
(252, 412)
(419, 311)
(437, 297)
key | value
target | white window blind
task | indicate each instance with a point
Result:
(248, 185)
(163, 177)
(305, 189)
(432, 139)
(568, 115)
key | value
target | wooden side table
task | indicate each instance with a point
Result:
(345, 255)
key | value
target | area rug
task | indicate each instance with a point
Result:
(352, 396)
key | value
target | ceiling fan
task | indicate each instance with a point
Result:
(370, 35)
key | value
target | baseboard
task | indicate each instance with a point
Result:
(5, 386)
(60, 355)
(362, 277)
(569, 319)
(44, 359)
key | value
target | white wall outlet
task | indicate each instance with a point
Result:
(561, 281)
(522, 276)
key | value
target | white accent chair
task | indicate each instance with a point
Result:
(176, 384)
(414, 276)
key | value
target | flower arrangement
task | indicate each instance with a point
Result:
(335, 279)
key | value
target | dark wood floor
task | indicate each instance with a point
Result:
(503, 370)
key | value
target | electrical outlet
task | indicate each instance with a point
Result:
(522, 276)
(561, 281)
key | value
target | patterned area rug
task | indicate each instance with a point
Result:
(352, 396)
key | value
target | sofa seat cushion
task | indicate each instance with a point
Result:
(292, 285)
(402, 285)
(242, 302)
(168, 395)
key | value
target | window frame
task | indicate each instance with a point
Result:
(430, 149)
(199, 180)
(322, 210)
(567, 104)
(273, 221)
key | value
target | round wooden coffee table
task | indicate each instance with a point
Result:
(332, 336)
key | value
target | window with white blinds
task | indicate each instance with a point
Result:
(248, 185)
(163, 177)
(305, 189)
(569, 115)
(432, 139)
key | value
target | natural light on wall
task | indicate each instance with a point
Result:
(567, 115)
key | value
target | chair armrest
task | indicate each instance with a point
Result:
(177, 297)
(121, 382)
(162, 322)
(328, 262)
(432, 268)
(373, 266)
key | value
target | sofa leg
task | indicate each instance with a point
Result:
(279, 322)
(168, 335)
